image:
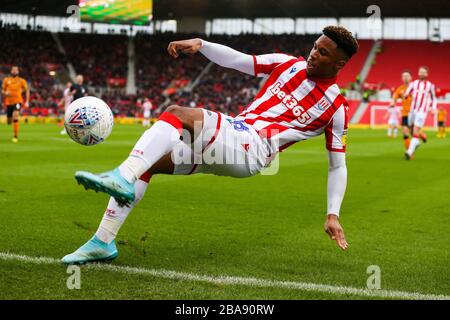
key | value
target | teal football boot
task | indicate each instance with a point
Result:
(94, 250)
(110, 182)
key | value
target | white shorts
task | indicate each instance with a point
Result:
(417, 119)
(146, 114)
(393, 121)
(225, 147)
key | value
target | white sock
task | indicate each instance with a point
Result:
(152, 146)
(395, 132)
(413, 145)
(389, 132)
(115, 215)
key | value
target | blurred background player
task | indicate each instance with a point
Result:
(65, 101)
(12, 90)
(442, 119)
(423, 95)
(78, 90)
(406, 105)
(147, 110)
(392, 115)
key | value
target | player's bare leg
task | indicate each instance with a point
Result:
(406, 132)
(15, 123)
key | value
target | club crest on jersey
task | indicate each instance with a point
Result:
(294, 69)
(323, 104)
(290, 102)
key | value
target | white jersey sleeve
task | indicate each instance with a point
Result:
(227, 57)
(264, 64)
(337, 181)
(336, 130)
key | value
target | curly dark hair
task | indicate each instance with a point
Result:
(343, 38)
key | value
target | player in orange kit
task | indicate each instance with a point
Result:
(406, 105)
(442, 119)
(12, 89)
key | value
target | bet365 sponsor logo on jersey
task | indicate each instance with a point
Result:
(290, 102)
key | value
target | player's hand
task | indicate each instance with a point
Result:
(26, 104)
(335, 231)
(186, 46)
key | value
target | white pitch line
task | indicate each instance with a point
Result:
(230, 280)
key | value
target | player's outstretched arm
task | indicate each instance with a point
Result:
(337, 183)
(217, 53)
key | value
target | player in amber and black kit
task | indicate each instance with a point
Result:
(12, 89)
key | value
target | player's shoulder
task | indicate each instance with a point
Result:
(298, 63)
(341, 101)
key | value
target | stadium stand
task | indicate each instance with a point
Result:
(156, 71)
(100, 58)
(16, 48)
(393, 59)
(103, 60)
(348, 75)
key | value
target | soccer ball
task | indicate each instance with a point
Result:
(88, 121)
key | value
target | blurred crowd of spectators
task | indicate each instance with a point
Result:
(39, 61)
(159, 77)
(97, 57)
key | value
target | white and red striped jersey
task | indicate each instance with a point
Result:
(423, 95)
(292, 107)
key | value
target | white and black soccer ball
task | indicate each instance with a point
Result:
(88, 121)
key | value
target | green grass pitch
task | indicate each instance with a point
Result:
(396, 215)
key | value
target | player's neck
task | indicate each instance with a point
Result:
(322, 78)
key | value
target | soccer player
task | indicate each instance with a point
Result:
(12, 90)
(392, 116)
(299, 100)
(442, 119)
(66, 101)
(423, 96)
(147, 109)
(406, 105)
